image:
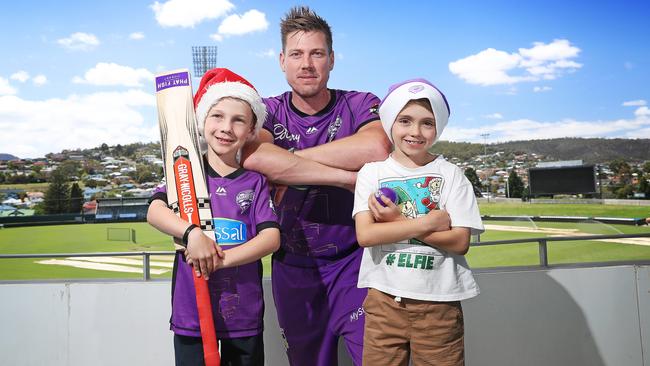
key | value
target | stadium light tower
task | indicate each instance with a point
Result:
(204, 59)
(487, 181)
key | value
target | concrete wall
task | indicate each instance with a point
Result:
(570, 316)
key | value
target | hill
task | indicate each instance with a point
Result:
(7, 157)
(592, 150)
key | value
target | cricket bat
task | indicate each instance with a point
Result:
(187, 193)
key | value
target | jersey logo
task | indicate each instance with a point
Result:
(311, 130)
(220, 191)
(281, 133)
(244, 199)
(333, 128)
(229, 232)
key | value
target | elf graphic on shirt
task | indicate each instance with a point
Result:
(434, 185)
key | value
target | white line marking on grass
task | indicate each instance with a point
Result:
(565, 232)
(126, 261)
(523, 229)
(99, 266)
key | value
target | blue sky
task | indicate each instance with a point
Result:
(75, 74)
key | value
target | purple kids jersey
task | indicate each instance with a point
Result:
(241, 208)
(315, 220)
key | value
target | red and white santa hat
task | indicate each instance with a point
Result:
(220, 83)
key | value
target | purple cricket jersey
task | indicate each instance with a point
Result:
(241, 208)
(316, 221)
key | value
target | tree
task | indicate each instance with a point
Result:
(625, 192)
(622, 170)
(104, 148)
(76, 198)
(91, 183)
(644, 186)
(515, 185)
(473, 178)
(144, 174)
(57, 198)
(70, 168)
(646, 167)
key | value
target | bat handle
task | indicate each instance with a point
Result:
(206, 321)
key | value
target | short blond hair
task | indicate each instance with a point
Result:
(302, 18)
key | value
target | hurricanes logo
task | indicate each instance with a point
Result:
(333, 128)
(244, 199)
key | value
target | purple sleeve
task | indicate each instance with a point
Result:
(271, 106)
(366, 106)
(263, 212)
(160, 193)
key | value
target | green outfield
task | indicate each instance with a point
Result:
(91, 238)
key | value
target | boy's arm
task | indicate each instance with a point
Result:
(371, 233)
(264, 243)
(370, 143)
(200, 249)
(386, 225)
(283, 167)
(455, 240)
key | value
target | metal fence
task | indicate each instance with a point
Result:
(541, 242)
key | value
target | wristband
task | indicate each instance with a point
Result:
(186, 235)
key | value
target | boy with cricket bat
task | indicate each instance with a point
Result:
(229, 112)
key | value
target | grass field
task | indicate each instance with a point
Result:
(541, 209)
(29, 187)
(89, 238)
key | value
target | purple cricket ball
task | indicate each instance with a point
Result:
(388, 193)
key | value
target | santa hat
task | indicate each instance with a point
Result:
(400, 94)
(220, 83)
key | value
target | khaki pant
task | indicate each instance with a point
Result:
(430, 332)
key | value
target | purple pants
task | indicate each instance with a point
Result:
(316, 306)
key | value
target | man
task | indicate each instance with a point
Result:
(314, 140)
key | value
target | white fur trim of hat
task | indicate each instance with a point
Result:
(219, 83)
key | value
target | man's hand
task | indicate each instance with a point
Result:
(203, 253)
(387, 213)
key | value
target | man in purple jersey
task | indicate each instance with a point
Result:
(314, 140)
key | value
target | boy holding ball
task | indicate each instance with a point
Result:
(413, 262)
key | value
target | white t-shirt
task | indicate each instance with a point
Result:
(411, 268)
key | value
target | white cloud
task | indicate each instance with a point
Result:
(493, 116)
(642, 112)
(634, 103)
(188, 13)
(39, 80)
(136, 36)
(5, 88)
(540, 89)
(236, 25)
(270, 53)
(558, 50)
(488, 67)
(21, 76)
(495, 67)
(33, 128)
(113, 74)
(527, 129)
(79, 41)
